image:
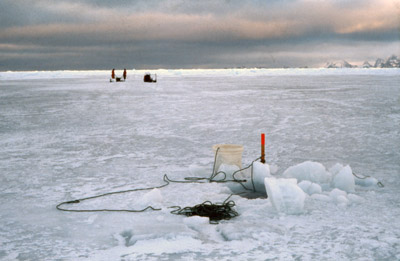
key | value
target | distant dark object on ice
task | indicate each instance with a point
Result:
(148, 78)
(118, 79)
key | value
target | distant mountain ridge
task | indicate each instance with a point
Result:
(392, 62)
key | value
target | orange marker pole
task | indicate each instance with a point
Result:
(262, 148)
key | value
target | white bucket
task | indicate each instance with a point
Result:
(229, 154)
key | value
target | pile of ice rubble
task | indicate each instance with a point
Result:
(308, 179)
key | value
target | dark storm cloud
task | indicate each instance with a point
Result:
(95, 34)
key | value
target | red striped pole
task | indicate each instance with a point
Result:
(262, 147)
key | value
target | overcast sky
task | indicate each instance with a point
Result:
(150, 34)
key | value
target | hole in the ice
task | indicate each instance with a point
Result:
(253, 195)
(127, 235)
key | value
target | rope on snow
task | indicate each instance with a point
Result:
(214, 211)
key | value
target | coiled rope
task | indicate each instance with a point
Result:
(214, 211)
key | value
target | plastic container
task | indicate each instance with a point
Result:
(229, 154)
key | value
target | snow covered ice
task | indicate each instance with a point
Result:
(260, 172)
(286, 196)
(311, 171)
(72, 134)
(345, 180)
